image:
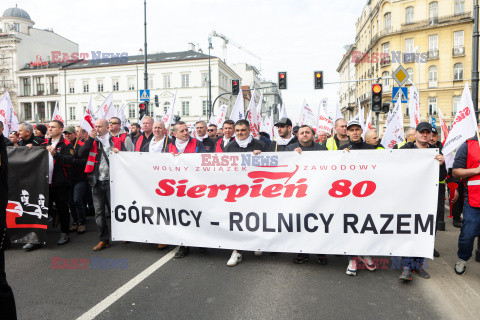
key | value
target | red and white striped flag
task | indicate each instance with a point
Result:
(56, 114)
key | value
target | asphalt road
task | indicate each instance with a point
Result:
(201, 286)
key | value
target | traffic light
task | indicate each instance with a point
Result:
(318, 79)
(377, 98)
(142, 109)
(235, 87)
(282, 80)
(386, 107)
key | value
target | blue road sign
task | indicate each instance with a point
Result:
(403, 92)
(144, 95)
(432, 121)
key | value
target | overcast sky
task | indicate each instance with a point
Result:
(299, 37)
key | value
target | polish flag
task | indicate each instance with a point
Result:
(88, 120)
(56, 114)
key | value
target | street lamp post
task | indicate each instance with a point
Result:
(209, 109)
(475, 58)
(145, 53)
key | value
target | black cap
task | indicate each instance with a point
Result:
(434, 130)
(284, 122)
(295, 129)
(42, 128)
(424, 126)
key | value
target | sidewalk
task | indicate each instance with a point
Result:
(457, 296)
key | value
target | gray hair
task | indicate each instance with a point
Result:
(27, 126)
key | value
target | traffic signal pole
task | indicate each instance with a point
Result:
(145, 75)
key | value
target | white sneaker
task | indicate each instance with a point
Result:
(257, 253)
(367, 261)
(234, 259)
(460, 266)
(352, 267)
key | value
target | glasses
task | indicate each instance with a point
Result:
(210, 130)
(112, 122)
(14, 132)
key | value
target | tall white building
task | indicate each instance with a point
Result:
(21, 44)
(184, 73)
(347, 88)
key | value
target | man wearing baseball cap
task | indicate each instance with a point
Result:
(284, 127)
(423, 136)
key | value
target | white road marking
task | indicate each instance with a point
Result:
(108, 301)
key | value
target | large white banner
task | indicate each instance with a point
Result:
(363, 202)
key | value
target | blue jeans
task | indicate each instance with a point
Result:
(469, 231)
(75, 201)
(101, 196)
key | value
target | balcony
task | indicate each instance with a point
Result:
(433, 21)
(436, 21)
(39, 93)
(458, 51)
(385, 61)
(432, 54)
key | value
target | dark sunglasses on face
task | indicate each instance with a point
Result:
(112, 122)
(210, 130)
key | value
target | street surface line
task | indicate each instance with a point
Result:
(108, 301)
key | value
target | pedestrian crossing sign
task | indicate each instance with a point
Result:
(145, 95)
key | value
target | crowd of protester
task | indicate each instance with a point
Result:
(80, 180)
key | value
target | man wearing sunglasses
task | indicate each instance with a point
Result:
(212, 131)
(115, 128)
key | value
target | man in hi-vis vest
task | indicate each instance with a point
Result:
(100, 143)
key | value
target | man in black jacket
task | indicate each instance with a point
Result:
(62, 153)
(423, 136)
(99, 145)
(25, 131)
(243, 142)
(5, 139)
(354, 132)
(284, 126)
(202, 136)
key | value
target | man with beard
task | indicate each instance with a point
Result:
(244, 142)
(135, 132)
(212, 131)
(203, 137)
(184, 143)
(284, 126)
(306, 142)
(228, 130)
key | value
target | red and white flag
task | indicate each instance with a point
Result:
(443, 125)
(368, 121)
(324, 122)
(252, 117)
(121, 115)
(238, 111)
(88, 120)
(56, 114)
(394, 129)
(8, 115)
(107, 109)
(463, 127)
(338, 112)
(168, 116)
(414, 107)
(307, 116)
(259, 111)
(221, 116)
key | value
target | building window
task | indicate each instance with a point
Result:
(458, 71)
(409, 45)
(166, 105)
(115, 84)
(432, 77)
(85, 86)
(387, 21)
(53, 84)
(458, 48)
(166, 81)
(456, 103)
(185, 108)
(204, 108)
(100, 85)
(385, 52)
(27, 87)
(433, 12)
(131, 84)
(459, 7)
(386, 80)
(409, 18)
(410, 73)
(71, 113)
(131, 110)
(433, 46)
(204, 79)
(28, 111)
(16, 27)
(432, 106)
(71, 86)
(185, 80)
